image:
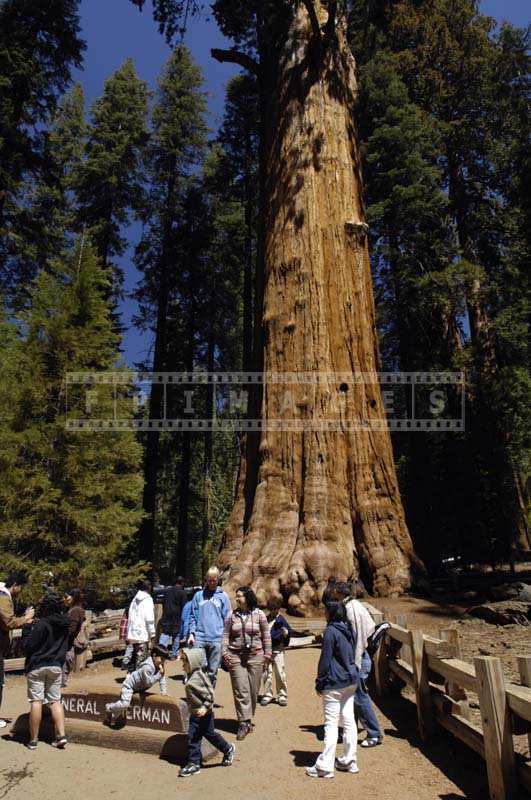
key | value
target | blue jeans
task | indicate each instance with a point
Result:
(164, 640)
(212, 652)
(362, 702)
(199, 727)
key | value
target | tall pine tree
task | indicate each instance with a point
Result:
(39, 46)
(177, 144)
(70, 499)
(109, 185)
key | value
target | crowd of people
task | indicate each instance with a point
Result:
(206, 634)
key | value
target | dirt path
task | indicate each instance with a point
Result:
(269, 764)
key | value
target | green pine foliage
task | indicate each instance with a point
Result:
(443, 114)
(39, 46)
(70, 500)
(109, 186)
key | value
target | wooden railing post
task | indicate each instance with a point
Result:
(425, 713)
(497, 734)
(381, 663)
(453, 689)
(524, 670)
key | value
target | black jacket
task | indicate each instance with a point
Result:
(174, 602)
(45, 642)
(337, 668)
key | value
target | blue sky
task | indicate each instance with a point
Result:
(115, 30)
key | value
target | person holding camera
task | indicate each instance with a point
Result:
(246, 647)
(8, 621)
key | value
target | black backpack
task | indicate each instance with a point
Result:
(375, 639)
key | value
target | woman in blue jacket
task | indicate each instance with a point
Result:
(337, 677)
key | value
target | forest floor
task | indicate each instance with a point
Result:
(270, 763)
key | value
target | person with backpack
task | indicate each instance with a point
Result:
(337, 678)
(363, 627)
(44, 644)
(8, 621)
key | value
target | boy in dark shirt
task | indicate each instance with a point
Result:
(280, 636)
(174, 602)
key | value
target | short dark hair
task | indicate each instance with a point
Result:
(342, 590)
(250, 597)
(76, 595)
(329, 593)
(180, 580)
(274, 604)
(336, 611)
(143, 585)
(50, 604)
(16, 578)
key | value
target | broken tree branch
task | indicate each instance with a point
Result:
(313, 17)
(234, 56)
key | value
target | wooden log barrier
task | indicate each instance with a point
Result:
(150, 710)
(153, 723)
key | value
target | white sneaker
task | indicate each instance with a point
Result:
(313, 772)
(3, 723)
(342, 767)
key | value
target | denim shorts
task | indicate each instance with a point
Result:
(44, 684)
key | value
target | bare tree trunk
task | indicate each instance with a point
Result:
(323, 504)
(151, 458)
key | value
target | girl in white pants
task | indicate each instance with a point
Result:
(337, 677)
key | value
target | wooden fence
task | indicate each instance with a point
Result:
(440, 681)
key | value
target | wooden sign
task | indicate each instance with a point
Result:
(154, 711)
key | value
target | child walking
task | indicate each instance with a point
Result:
(337, 677)
(280, 636)
(147, 675)
(200, 699)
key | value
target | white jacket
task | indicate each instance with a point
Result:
(362, 624)
(141, 619)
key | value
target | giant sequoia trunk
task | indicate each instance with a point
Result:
(318, 504)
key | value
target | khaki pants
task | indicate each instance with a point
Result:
(275, 666)
(245, 677)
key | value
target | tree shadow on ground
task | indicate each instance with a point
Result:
(453, 758)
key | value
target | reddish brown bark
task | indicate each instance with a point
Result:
(317, 504)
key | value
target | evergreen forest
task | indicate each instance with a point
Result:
(440, 111)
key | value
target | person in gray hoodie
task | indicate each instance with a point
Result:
(147, 675)
(200, 699)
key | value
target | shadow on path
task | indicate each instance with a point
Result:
(459, 763)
